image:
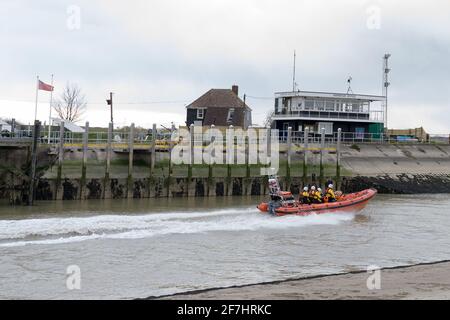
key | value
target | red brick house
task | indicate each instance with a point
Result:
(219, 107)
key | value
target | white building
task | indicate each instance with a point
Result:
(353, 113)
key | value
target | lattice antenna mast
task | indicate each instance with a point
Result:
(386, 84)
(294, 84)
(349, 82)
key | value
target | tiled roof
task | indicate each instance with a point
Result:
(218, 98)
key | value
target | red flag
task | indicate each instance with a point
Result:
(44, 86)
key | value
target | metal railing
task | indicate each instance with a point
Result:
(325, 114)
(121, 138)
(354, 137)
(18, 134)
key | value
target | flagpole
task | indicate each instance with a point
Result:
(50, 114)
(36, 105)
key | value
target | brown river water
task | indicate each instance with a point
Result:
(138, 248)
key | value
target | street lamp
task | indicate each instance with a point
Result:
(110, 103)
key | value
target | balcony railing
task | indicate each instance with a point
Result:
(298, 137)
(376, 116)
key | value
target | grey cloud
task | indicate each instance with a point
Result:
(173, 51)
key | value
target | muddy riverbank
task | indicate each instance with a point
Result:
(421, 281)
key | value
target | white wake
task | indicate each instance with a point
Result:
(75, 229)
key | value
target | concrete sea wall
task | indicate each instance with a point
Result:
(421, 168)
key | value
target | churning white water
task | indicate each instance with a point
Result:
(125, 226)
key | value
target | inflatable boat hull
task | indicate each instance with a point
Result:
(348, 203)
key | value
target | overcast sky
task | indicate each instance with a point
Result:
(157, 56)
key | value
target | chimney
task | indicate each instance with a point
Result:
(235, 89)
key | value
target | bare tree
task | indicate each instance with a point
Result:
(71, 104)
(269, 118)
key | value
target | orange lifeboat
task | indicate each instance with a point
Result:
(345, 203)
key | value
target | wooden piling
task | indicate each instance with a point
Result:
(84, 161)
(169, 174)
(288, 167)
(58, 188)
(190, 191)
(106, 183)
(210, 167)
(269, 157)
(338, 159)
(247, 165)
(153, 151)
(191, 151)
(151, 179)
(230, 159)
(305, 156)
(322, 147)
(130, 162)
(34, 151)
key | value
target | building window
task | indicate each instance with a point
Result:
(356, 107)
(296, 106)
(309, 104)
(280, 105)
(230, 115)
(328, 126)
(320, 105)
(200, 113)
(365, 107)
(310, 127)
(329, 105)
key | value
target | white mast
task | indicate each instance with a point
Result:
(294, 85)
(37, 93)
(50, 114)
